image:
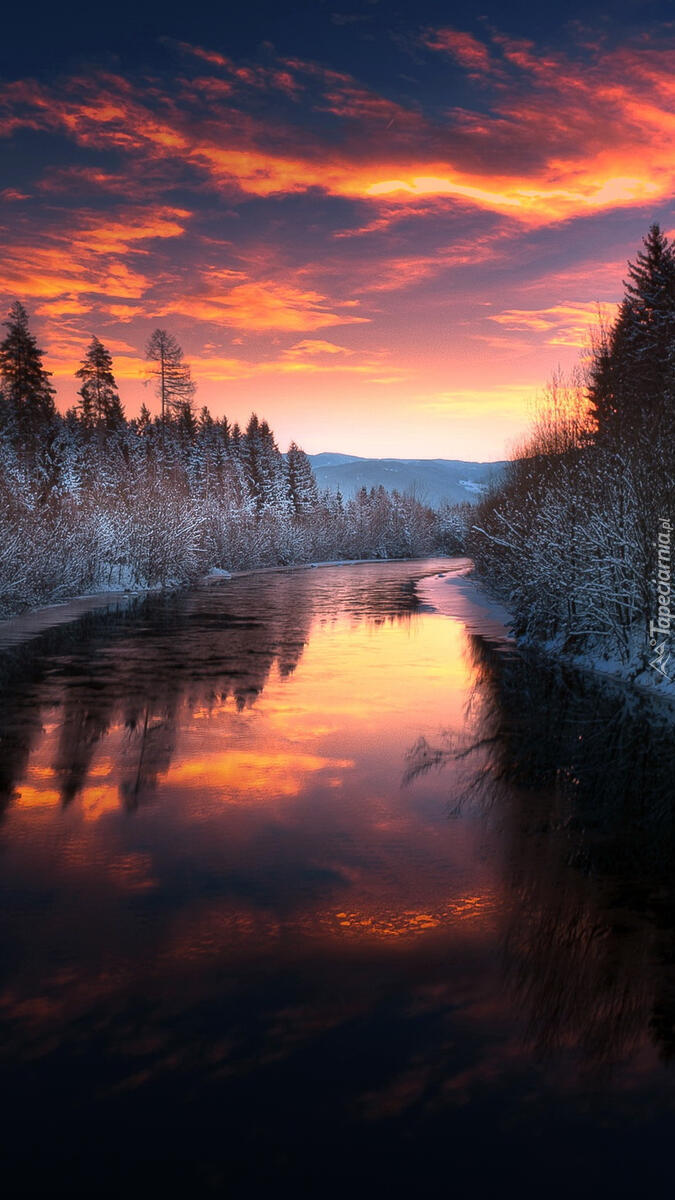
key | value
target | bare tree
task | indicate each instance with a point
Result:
(173, 379)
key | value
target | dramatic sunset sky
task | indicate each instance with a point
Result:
(381, 225)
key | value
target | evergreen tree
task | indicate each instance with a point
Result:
(249, 450)
(186, 422)
(302, 487)
(100, 402)
(173, 379)
(650, 291)
(632, 375)
(235, 440)
(25, 382)
(144, 420)
(265, 467)
(159, 499)
(206, 423)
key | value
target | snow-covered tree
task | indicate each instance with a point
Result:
(302, 488)
(90, 499)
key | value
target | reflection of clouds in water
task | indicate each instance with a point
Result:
(279, 909)
(248, 774)
(170, 660)
(481, 909)
(270, 818)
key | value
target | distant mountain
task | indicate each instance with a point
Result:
(432, 480)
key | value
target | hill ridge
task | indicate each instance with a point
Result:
(433, 480)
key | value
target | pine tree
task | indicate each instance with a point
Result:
(100, 402)
(143, 420)
(26, 386)
(186, 422)
(265, 467)
(632, 375)
(249, 450)
(235, 440)
(302, 487)
(173, 379)
(650, 291)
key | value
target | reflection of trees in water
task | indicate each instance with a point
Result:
(141, 667)
(583, 779)
(139, 670)
(150, 746)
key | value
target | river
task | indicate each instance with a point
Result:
(308, 884)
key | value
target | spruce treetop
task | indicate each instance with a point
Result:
(632, 374)
(24, 378)
(100, 402)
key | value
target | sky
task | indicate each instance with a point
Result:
(384, 227)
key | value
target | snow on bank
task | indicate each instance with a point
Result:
(26, 625)
(649, 681)
(31, 624)
(216, 573)
(457, 593)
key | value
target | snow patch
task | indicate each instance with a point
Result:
(472, 486)
(218, 573)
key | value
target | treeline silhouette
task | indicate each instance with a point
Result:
(91, 500)
(578, 537)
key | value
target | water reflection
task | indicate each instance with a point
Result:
(229, 921)
(582, 780)
(143, 670)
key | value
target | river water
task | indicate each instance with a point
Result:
(305, 883)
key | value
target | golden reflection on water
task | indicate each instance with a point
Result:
(310, 771)
(269, 826)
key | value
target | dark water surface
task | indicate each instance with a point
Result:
(303, 885)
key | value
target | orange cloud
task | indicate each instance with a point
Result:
(13, 195)
(316, 346)
(62, 306)
(262, 305)
(563, 324)
(220, 369)
(123, 312)
(251, 76)
(50, 272)
(118, 236)
(63, 265)
(258, 301)
(563, 140)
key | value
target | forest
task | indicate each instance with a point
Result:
(92, 501)
(577, 538)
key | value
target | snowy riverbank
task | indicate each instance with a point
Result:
(461, 594)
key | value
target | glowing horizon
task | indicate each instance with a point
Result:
(384, 257)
